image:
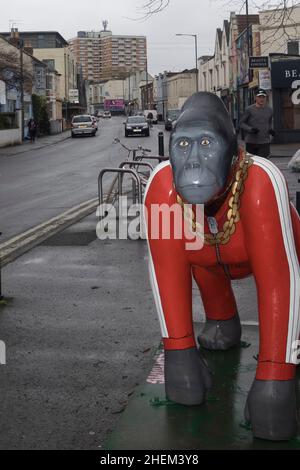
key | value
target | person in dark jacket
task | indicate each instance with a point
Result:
(256, 122)
(32, 128)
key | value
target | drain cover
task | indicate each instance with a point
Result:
(71, 239)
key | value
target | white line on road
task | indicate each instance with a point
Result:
(23, 242)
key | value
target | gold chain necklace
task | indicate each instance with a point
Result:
(233, 214)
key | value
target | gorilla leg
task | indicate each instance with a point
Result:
(187, 377)
(222, 329)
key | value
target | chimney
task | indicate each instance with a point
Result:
(14, 33)
(14, 36)
(28, 47)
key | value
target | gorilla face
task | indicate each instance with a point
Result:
(202, 149)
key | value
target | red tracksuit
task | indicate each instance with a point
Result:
(266, 243)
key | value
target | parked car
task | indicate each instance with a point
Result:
(100, 114)
(136, 125)
(83, 125)
(172, 115)
(107, 114)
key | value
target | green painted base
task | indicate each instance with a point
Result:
(150, 422)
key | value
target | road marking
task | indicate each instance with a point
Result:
(18, 245)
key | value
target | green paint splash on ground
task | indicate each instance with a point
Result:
(5, 301)
(156, 401)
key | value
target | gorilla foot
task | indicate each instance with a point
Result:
(187, 377)
(220, 334)
(271, 409)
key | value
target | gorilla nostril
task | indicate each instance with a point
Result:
(189, 166)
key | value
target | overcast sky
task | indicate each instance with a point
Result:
(165, 50)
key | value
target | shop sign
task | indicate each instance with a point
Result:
(284, 73)
(74, 96)
(259, 62)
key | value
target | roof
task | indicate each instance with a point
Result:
(219, 36)
(28, 33)
(241, 21)
(205, 58)
(226, 27)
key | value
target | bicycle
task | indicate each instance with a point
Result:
(112, 195)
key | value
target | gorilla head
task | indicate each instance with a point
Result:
(203, 145)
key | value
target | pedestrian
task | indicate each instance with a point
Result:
(150, 118)
(256, 122)
(32, 128)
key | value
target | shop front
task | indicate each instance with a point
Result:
(285, 76)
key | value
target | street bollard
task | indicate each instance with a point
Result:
(161, 145)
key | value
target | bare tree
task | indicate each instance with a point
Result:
(11, 72)
(151, 7)
(155, 6)
(280, 20)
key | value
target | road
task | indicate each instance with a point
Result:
(40, 184)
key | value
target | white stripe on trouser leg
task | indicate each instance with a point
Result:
(283, 205)
(157, 299)
(153, 280)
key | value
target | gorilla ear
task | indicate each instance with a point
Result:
(234, 151)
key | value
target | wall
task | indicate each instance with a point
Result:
(273, 37)
(11, 136)
(180, 87)
(64, 64)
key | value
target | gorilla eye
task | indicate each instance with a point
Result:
(184, 143)
(205, 141)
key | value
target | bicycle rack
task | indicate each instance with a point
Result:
(142, 179)
(120, 173)
(151, 157)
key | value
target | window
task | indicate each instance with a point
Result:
(293, 47)
(50, 63)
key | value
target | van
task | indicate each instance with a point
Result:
(154, 114)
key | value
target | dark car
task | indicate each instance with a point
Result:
(136, 125)
(172, 115)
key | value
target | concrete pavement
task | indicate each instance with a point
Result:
(41, 142)
(80, 333)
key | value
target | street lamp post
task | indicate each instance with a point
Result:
(196, 54)
(21, 47)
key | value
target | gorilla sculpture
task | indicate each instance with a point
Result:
(250, 228)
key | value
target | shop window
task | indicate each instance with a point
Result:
(290, 113)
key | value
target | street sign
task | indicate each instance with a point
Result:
(258, 62)
(74, 96)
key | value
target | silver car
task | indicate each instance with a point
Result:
(83, 125)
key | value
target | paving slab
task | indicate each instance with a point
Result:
(151, 422)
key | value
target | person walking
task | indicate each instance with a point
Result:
(150, 119)
(32, 128)
(257, 124)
